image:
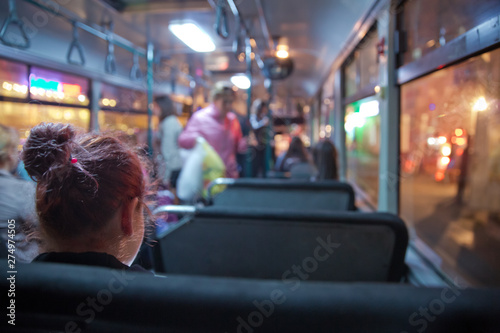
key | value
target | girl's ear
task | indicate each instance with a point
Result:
(127, 222)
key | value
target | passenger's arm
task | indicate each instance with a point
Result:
(256, 124)
(187, 139)
(240, 142)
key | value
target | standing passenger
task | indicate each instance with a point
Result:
(170, 129)
(219, 127)
(89, 196)
(259, 121)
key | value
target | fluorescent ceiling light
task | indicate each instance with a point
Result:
(241, 81)
(191, 35)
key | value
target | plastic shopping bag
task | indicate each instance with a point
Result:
(213, 168)
(190, 181)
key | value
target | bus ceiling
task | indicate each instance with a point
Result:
(279, 25)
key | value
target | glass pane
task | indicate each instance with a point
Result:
(450, 163)
(351, 78)
(123, 99)
(362, 125)
(430, 24)
(13, 79)
(134, 125)
(23, 116)
(368, 65)
(50, 86)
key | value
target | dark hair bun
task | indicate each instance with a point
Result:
(48, 149)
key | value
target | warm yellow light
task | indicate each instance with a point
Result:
(459, 132)
(68, 115)
(480, 105)
(84, 115)
(17, 88)
(82, 98)
(377, 89)
(60, 95)
(282, 54)
(446, 150)
(445, 160)
(442, 140)
(7, 86)
(461, 141)
(105, 101)
(328, 128)
(306, 109)
(112, 103)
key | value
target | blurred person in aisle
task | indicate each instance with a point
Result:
(170, 129)
(219, 127)
(325, 159)
(259, 120)
(241, 156)
(296, 161)
(17, 201)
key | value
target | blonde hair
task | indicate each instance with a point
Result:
(220, 89)
(8, 143)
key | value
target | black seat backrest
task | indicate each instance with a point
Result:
(67, 298)
(285, 194)
(339, 246)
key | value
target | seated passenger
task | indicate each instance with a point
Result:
(17, 203)
(296, 160)
(89, 196)
(325, 159)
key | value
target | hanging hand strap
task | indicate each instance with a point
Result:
(13, 20)
(75, 44)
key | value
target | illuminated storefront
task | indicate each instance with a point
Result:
(31, 95)
(125, 110)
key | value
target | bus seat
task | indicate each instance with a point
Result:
(285, 193)
(268, 244)
(67, 298)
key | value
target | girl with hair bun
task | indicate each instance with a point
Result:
(89, 196)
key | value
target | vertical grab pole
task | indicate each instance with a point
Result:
(150, 59)
(269, 131)
(248, 57)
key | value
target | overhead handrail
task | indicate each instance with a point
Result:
(94, 29)
(13, 20)
(136, 72)
(75, 44)
(221, 20)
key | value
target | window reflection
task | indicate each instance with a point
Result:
(450, 165)
(430, 24)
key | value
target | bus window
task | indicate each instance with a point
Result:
(450, 164)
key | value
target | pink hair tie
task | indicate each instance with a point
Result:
(74, 160)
